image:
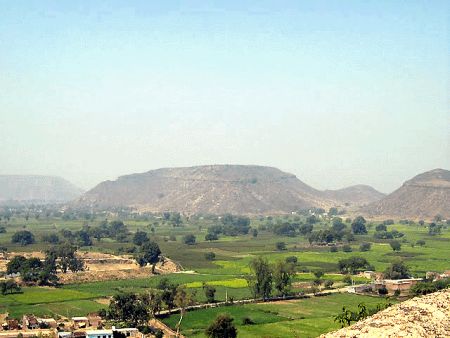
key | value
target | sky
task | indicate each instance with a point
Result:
(335, 92)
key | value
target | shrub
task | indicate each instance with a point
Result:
(210, 256)
(365, 246)
(346, 248)
(333, 248)
(247, 321)
(280, 246)
(292, 259)
(189, 239)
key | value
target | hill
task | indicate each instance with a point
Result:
(424, 196)
(427, 316)
(355, 195)
(34, 188)
(211, 189)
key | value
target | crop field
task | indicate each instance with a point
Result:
(296, 318)
(226, 272)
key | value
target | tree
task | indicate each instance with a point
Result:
(9, 286)
(305, 229)
(23, 237)
(291, 260)
(347, 248)
(420, 242)
(254, 233)
(210, 236)
(282, 277)
(397, 270)
(182, 299)
(365, 246)
(434, 229)
(66, 255)
(140, 237)
(338, 225)
(359, 226)
(260, 280)
(210, 292)
(168, 292)
(189, 239)
(353, 265)
(210, 256)
(280, 246)
(149, 253)
(381, 227)
(222, 327)
(332, 212)
(129, 308)
(395, 245)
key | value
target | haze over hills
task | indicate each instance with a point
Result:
(36, 188)
(355, 195)
(424, 196)
(215, 189)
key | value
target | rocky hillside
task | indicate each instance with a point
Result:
(427, 316)
(355, 195)
(214, 189)
(423, 196)
(42, 189)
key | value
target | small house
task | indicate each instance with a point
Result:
(80, 322)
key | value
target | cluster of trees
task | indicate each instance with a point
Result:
(173, 218)
(354, 265)
(9, 286)
(427, 287)
(265, 277)
(33, 270)
(148, 252)
(346, 317)
(381, 232)
(434, 229)
(230, 225)
(134, 309)
(337, 232)
(23, 237)
(397, 270)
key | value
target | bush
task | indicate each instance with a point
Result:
(210, 256)
(333, 248)
(280, 246)
(420, 242)
(347, 248)
(292, 259)
(347, 279)
(189, 239)
(365, 246)
(247, 321)
(383, 291)
(23, 237)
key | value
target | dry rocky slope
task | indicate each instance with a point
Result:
(424, 196)
(213, 189)
(427, 316)
(34, 188)
(355, 195)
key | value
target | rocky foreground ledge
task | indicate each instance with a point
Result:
(426, 316)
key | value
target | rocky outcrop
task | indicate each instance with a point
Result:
(426, 316)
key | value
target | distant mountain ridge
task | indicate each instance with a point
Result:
(36, 188)
(355, 195)
(424, 196)
(213, 189)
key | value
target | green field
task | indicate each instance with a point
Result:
(227, 272)
(299, 318)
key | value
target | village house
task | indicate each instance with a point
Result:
(80, 322)
(401, 285)
(125, 332)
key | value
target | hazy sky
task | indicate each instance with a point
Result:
(336, 92)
